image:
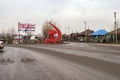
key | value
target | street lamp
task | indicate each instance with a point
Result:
(115, 28)
(85, 29)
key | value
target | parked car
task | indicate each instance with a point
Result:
(81, 40)
(1, 45)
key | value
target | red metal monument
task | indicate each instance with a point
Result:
(52, 33)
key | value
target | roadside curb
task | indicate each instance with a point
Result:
(107, 45)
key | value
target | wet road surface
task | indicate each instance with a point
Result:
(60, 62)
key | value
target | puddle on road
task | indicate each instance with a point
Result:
(1, 52)
(6, 60)
(27, 59)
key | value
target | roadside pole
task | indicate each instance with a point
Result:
(85, 31)
(115, 28)
(19, 32)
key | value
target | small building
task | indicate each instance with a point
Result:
(99, 36)
(112, 36)
(74, 36)
(65, 37)
(18, 39)
(85, 34)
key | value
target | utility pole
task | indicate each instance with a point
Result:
(19, 31)
(115, 27)
(85, 29)
(65, 30)
(68, 30)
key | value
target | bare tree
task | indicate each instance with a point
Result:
(10, 35)
(13, 31)
(45, 29)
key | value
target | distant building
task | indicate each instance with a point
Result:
(65, 37)
(84, 34)
(99, 36)
(18, 39)
(111, 35)
(74, 37)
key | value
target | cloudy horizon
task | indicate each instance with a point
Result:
(99, 14)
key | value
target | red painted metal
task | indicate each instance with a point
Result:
(51, 33)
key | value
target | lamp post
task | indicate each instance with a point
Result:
(115, 28)
(85, 29)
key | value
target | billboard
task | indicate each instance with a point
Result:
(26, 27)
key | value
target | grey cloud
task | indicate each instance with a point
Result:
(66, 12)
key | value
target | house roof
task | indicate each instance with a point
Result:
(99, 32)
(88, 31)
(66, 35)
(113, 32)
(74, 34)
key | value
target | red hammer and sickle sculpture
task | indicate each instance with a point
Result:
(51, 33)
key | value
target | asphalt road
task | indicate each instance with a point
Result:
(73, 61)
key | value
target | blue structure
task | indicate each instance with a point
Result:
(100, 32)
(99, 36)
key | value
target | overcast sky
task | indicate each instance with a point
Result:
(99, 14)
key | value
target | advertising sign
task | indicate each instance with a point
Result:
(26, 27)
